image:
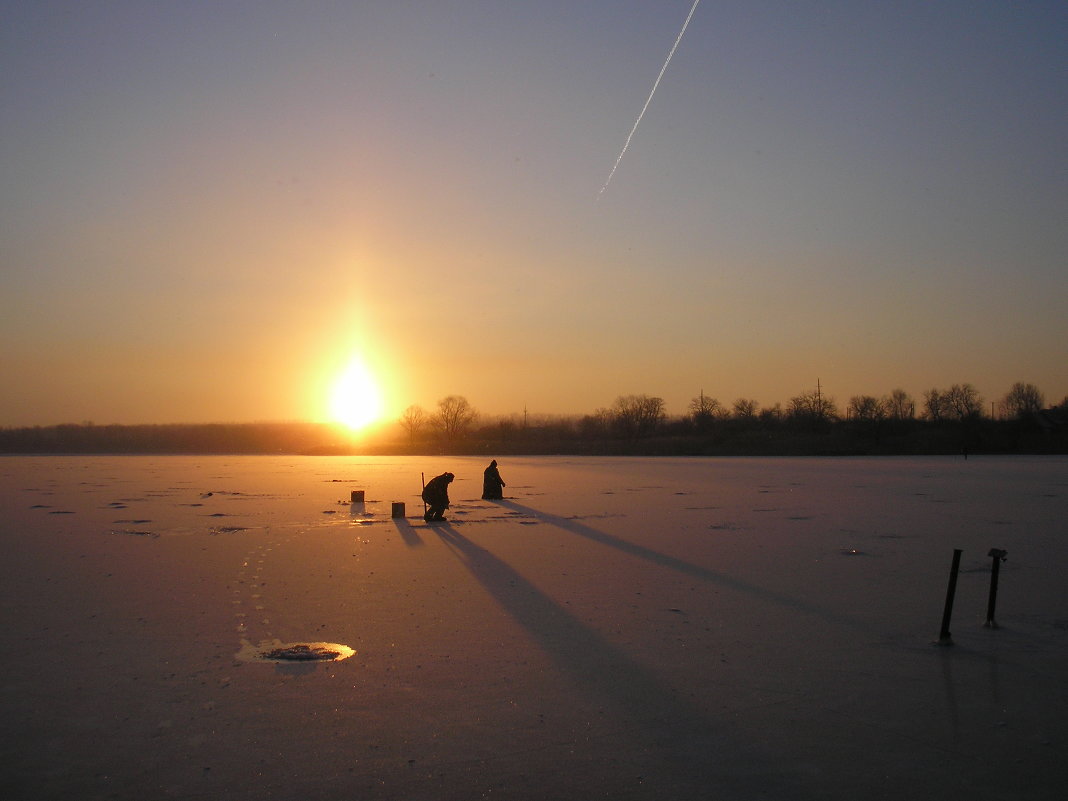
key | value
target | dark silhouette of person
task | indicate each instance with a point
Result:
(436, 496)
(492, 483)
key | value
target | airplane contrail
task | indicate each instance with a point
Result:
(648, 100)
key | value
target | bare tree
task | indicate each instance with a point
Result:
(1023, 400)
(959, 402)
(455, 415)
(899, 405)
(703, 410)
(812, 407)
(745, 409)
(935, 406)
(867, 408)
(413, 420)
(964, 401)
(638, 415)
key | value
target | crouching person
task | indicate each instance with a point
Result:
(436, 496)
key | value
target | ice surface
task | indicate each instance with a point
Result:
(618, 628)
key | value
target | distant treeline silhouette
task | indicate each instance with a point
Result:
(228, 438)
(948, 421)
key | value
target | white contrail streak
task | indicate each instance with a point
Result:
(648, 100)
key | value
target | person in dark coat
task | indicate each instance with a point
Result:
(436, 496)
(492, 483)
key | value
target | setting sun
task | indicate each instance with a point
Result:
(356, 399)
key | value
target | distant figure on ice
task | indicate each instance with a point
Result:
(492, 483)
(436, 496)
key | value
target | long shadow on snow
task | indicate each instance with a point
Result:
(701, 755)
(687, 568)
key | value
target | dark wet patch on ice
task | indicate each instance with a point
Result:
(984, 568)
(235, 495)
(725, 527)
(800, 517)
(61, 512)
(131, 522)
(529, 522)
(513, 516)
(701, 508)
(129, 532)
(330, 511)
(772, 509)
(227, 530)
(40, 506)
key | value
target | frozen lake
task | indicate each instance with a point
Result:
(616, 627)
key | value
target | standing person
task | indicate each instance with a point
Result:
(436, 495)
(492, 483)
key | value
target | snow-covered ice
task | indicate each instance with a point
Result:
(615, 627)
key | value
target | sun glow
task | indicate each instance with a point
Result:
(356, 399)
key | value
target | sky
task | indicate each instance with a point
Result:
(209, 209)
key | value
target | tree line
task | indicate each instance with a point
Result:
(950, 420)
(944, 420)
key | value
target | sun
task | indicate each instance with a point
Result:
(356, 399)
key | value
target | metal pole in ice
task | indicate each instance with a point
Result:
(944, 637)
(999, 556)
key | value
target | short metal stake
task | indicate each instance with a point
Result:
(999, 556)
(944, 637)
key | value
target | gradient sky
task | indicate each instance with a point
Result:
(206, 208)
